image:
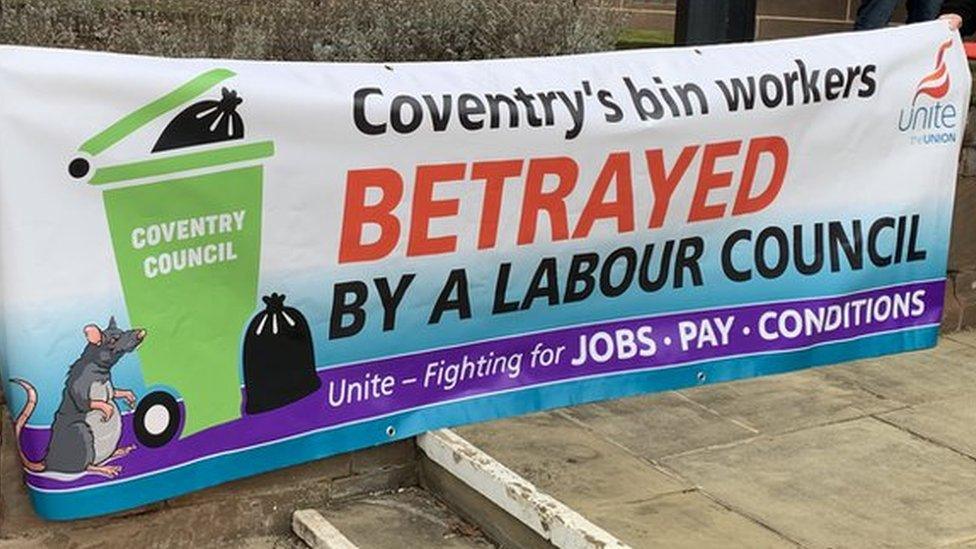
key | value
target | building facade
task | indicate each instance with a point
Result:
(774, 18)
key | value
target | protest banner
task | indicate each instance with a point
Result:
(210, 268)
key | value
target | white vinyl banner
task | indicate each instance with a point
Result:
(211, 268)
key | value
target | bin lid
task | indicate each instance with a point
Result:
(81, 167)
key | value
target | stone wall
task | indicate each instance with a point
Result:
(960, 309)
(775, 18)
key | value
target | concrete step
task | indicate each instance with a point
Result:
(410, 517)
(510, 509)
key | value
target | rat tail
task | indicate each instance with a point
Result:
(34, 466)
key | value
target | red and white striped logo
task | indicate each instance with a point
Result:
(936, 83)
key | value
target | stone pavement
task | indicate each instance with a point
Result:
(875, 453)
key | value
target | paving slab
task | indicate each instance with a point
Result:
(659, 425)
(618, 491)
(967, 544)
(860, 483)
(404, 519)
(570, 463)
(946, 371)
(791, 401)
(950, 422)
(684, 520)
(966, 337)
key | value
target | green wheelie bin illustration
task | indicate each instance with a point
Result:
(185, 226)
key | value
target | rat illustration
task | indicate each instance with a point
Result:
(87, 426)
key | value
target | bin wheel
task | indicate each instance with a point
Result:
(79, 167)
(157, 419)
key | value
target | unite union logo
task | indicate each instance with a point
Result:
(928, 119)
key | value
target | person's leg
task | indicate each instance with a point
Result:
(923, 10)
(874, 14)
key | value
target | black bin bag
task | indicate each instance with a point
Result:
(279, 361)
(209, 121)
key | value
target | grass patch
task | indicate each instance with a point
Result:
(631, 39)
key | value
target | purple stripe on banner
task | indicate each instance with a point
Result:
(386, 386)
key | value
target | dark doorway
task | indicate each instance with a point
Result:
(714, 21)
